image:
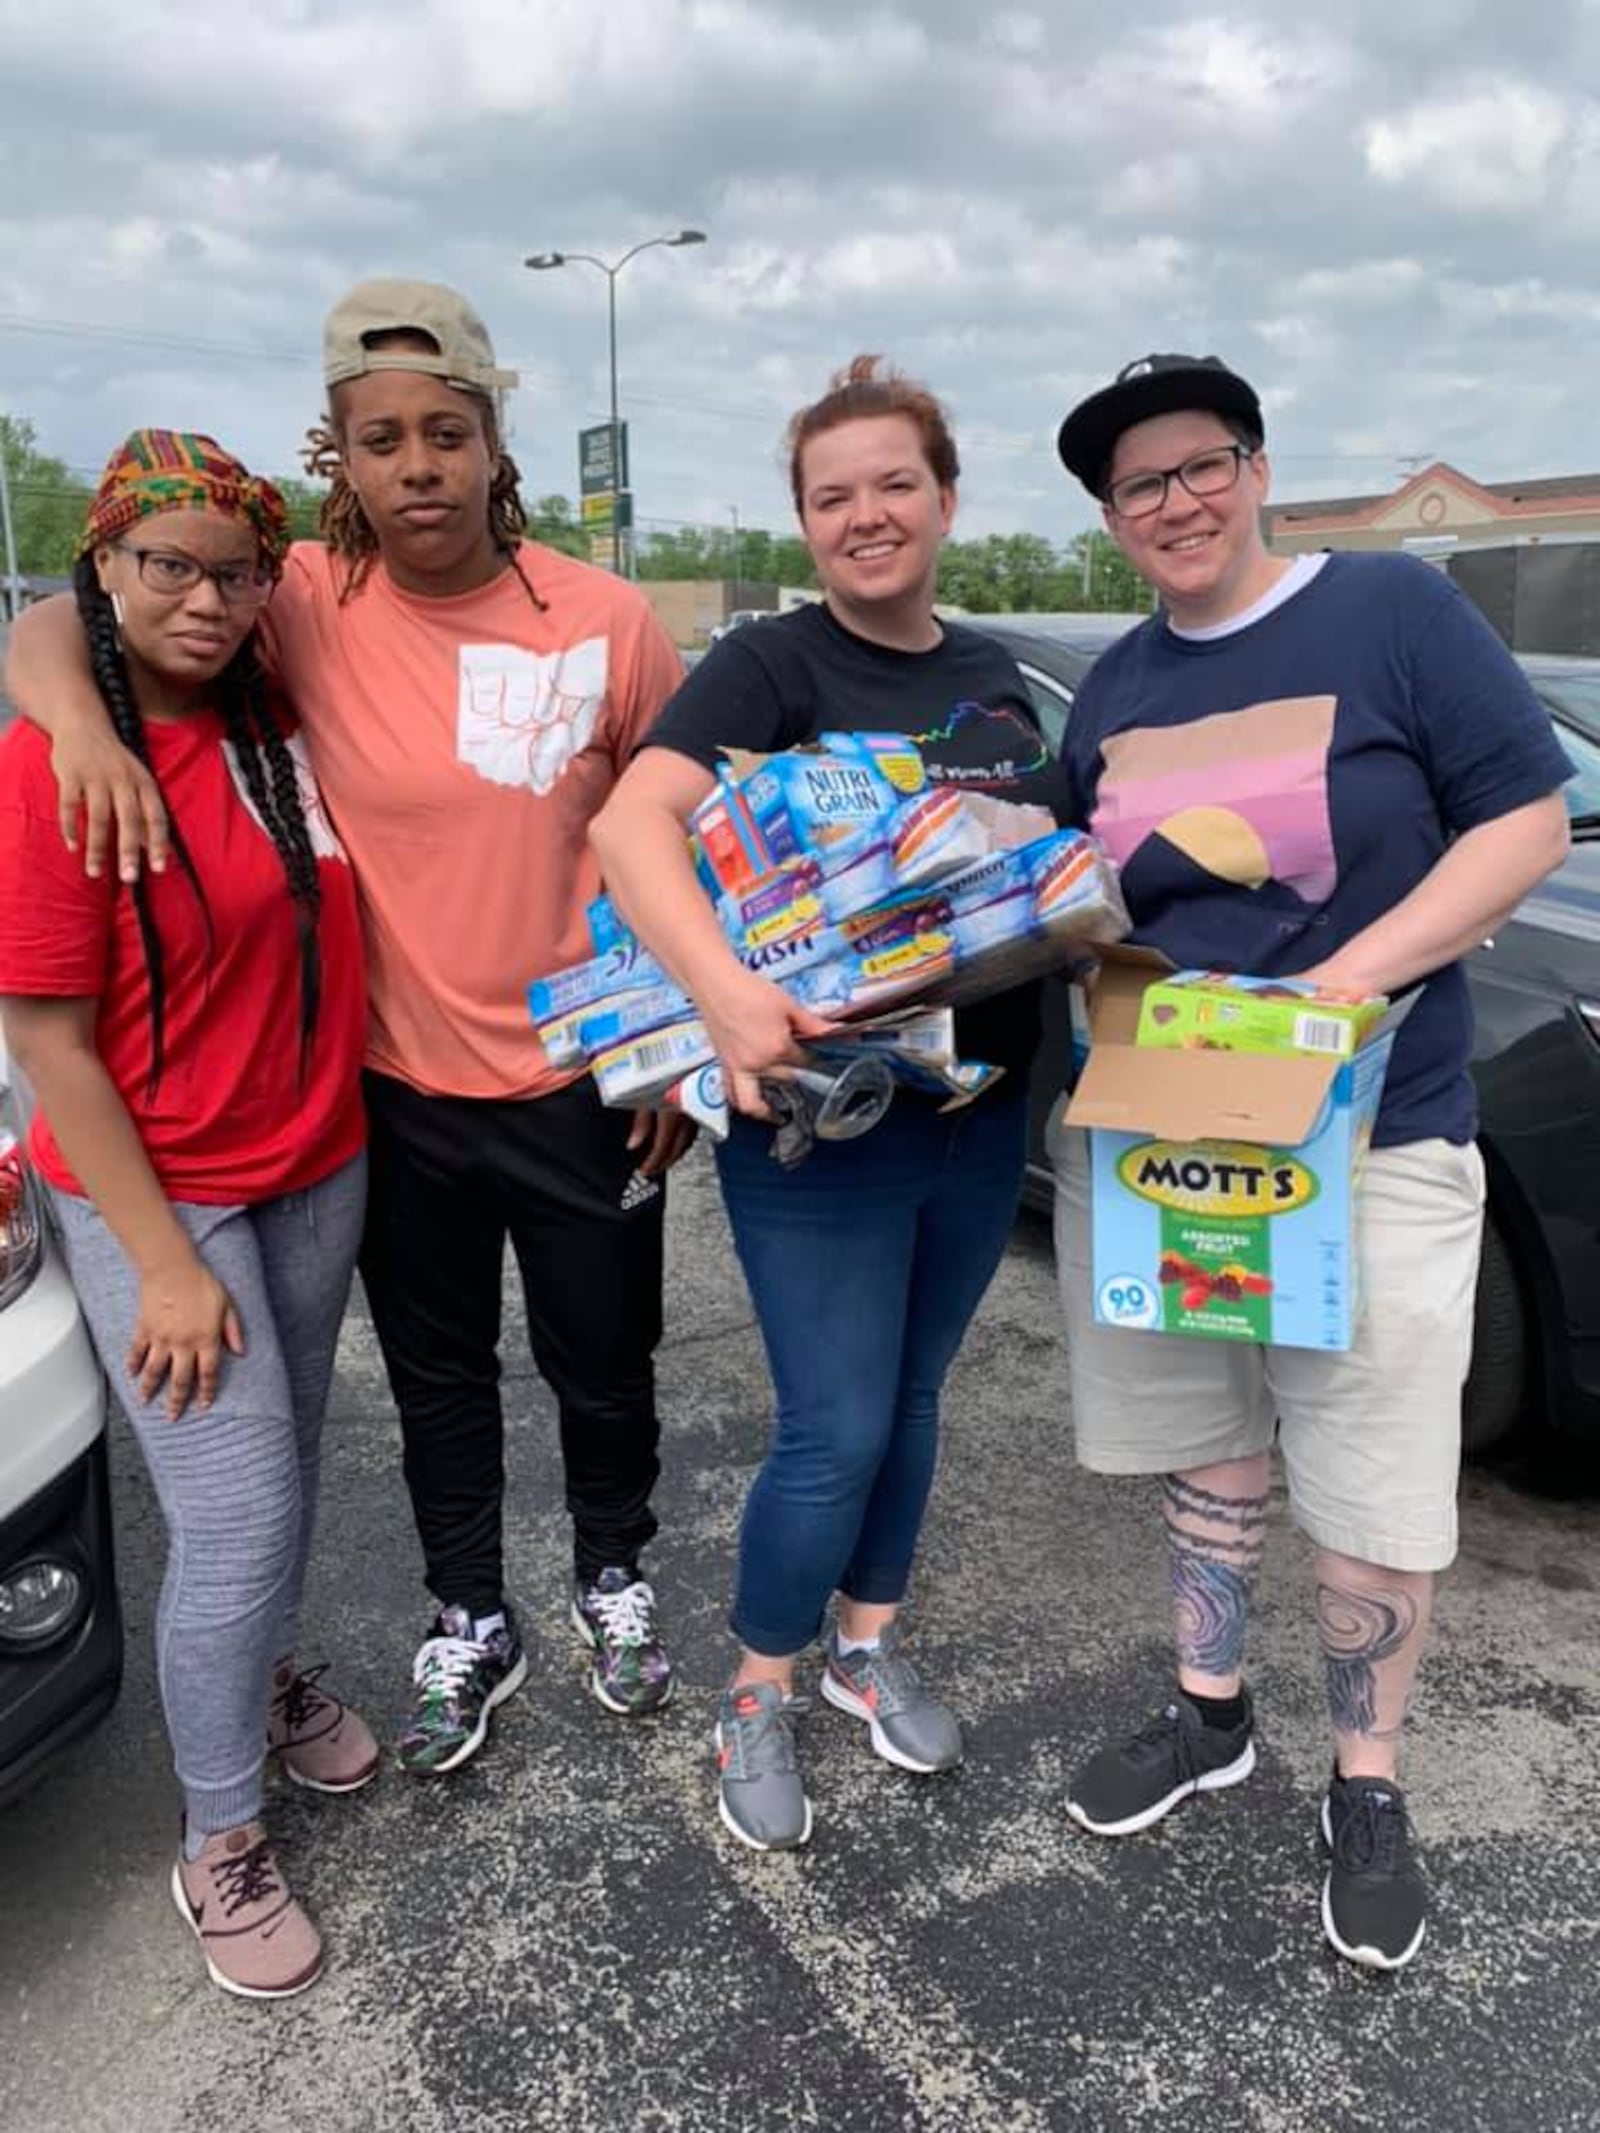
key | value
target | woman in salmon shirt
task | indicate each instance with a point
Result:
(194, 1042)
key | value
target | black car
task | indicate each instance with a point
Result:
(1536, 1000)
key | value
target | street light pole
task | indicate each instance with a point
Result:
(540, 262)
(8, 535)
(738, 555)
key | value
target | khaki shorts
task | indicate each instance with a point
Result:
(1371, 1439)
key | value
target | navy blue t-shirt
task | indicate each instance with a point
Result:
(1270, 793)
(780, 682)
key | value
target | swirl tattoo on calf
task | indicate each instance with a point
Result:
(1359, 1630)
(1214, 1545)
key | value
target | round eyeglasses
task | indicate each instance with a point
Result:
(1206, 473)
(169, 571)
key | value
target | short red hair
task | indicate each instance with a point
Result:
(860, 392)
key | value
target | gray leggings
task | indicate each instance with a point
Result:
(238, 1484)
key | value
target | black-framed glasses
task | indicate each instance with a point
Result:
(169, 571)
(1206, 473)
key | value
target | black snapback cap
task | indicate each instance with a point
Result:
(1154, 385)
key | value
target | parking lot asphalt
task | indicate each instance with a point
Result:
(562, 1936)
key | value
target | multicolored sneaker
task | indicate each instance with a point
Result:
(458, 1681)
(1374, 1901)
(319, 1740)
(616, 1618)
(908, 1727)
(256, 1939)
(760, 1796)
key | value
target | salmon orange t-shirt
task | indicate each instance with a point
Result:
(463, 746)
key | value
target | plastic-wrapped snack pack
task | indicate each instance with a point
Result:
(842, 874)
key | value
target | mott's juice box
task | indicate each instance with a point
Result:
(1225, 1186)
(1200, 1010)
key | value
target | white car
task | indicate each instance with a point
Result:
(60, 1621)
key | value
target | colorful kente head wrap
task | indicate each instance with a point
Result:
(177, 470)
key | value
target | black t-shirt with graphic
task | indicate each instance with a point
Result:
(784, 680)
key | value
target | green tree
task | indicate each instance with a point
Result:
(48, 507)
(1003, 573)
(304, 499)
(1102, 579)
(551, 520)
(752, 557)
(681, 552)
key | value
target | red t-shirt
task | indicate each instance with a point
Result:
(231, 1119)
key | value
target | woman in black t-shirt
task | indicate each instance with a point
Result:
(865, 1262)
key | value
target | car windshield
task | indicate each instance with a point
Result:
(1573, 694)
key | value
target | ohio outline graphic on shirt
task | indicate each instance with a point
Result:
(1244, 794)
(1018, 749)
(522, 716)
(324, 844)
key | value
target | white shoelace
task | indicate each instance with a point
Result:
(626, 1614)
(443, 1663)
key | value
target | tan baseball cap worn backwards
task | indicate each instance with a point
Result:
(465, 353)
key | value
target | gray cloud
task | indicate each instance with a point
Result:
(1386, 215)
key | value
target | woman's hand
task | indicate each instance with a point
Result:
(755, 1029)
(1337, 981)
(186, 1318)
(116, 796)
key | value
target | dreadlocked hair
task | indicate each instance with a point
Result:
(269, 777)
(348, 532)
(111, 677)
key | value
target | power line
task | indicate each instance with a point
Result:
(534, 373)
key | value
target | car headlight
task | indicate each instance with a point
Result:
(39, 1601)
(21, 1230)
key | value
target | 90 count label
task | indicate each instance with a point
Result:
(1128, 1300)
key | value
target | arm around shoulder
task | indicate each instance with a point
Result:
(108, 799)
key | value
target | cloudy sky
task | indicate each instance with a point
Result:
(1386, 212)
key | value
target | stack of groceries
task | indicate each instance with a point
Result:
(871, 895)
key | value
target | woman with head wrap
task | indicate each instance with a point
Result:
(194, 1042)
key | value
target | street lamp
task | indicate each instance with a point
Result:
(540, 261)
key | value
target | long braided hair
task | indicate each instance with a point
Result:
(269, 775)
(348, 532)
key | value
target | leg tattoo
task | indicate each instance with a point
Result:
(1359, 1630)
(1214, 1544)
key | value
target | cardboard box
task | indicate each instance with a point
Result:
(1206, 1010)
(1224, 1186)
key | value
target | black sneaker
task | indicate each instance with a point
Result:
(1126, 1788)
(1374, 1902)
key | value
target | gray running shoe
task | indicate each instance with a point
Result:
(759, 1792)
(882, 1687)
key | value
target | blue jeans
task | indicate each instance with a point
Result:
(865, 1264)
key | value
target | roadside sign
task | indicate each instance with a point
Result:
(596, 472)
(600, 513)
